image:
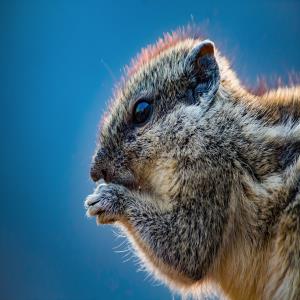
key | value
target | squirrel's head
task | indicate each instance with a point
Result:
(146, 129)
(158, 139)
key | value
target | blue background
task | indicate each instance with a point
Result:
(59, 62)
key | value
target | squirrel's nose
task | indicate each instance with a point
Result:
(95, 175)
(99, 169)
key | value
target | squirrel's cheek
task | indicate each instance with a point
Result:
(163, 178)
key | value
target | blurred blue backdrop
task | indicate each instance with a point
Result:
(59, 62)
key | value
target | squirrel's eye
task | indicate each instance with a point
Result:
(142, 112)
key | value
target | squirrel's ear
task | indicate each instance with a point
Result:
(203, 69)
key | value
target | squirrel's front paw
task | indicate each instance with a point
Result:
(107, 203)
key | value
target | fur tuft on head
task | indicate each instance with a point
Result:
(168, 40)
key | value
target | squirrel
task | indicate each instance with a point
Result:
(202, 175)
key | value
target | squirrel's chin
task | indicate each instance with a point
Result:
(105, 218)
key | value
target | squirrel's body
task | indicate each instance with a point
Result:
(208, 187)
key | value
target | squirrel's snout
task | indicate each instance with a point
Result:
(96, 175)
(99, 169)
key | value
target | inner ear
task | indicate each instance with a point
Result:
(206, 48)
(203, 70)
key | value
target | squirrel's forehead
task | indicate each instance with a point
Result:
(157, 71)
(171, 47)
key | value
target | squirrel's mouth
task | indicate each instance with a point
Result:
(129, 182)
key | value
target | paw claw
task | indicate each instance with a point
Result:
(90, 200)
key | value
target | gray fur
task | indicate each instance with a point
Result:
(202, 187)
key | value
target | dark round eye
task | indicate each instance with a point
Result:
(141, 112)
